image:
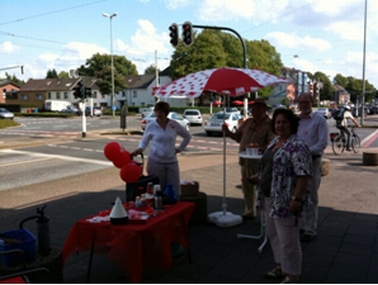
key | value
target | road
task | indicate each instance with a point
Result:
(74, 155)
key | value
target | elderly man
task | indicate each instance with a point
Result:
(313, 129)
(254, 130)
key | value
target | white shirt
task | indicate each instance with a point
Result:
(347, 115)
(163, 141)
(314, 131)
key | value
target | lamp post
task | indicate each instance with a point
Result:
(111, 52)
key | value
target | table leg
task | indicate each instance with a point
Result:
(262, 233)
(186, 235)
(91, 257)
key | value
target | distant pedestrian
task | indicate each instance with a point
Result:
(313, 129)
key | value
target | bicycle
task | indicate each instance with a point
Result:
(339, 141)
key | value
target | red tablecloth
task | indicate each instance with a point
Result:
(134, 246)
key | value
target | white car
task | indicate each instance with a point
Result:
(172, 115)
(5, 114)
(146, 111)
(214, 124)
(194, 116)
(324, 112)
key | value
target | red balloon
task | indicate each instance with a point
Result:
(130, 172)
(112, 150)
(122, 159)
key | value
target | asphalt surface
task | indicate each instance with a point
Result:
(345, 249)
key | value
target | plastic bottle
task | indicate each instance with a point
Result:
(170, 194)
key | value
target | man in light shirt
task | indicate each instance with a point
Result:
(313, 129)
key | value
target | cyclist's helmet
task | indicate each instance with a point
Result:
(347, 107)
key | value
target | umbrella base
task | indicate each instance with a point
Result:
(224, 219)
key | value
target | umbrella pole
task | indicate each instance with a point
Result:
(224, 205)
(224, 218)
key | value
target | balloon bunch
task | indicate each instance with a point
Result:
(130, 171)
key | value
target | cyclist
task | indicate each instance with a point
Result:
(343, 127)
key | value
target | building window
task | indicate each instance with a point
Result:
(65, 95)
(123, 93)
(57, 95)
(95, 94)
(135, 94)
(39, 97)
(49, 95)
(24, 97)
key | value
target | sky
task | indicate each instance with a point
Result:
(310, 35)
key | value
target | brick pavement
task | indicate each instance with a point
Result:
(345, 250)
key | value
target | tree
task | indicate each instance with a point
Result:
(262, 55)
(326, 91)
(14, 79)
(206, 53)
(340, 80)
(99, 65)
(151, 70)
(51, 74)
(63, 74)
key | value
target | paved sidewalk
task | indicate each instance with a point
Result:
(345, 250)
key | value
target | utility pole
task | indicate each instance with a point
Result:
(363, 70)
(156, 74)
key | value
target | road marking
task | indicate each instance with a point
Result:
(366, 142)
(25, 161)
(35, 154)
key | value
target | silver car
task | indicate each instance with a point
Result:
(172, 115)
(324, 112)
(194, 116)
(5, 114)
(214, 124)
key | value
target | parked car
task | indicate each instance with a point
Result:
(172, 115)
(146, 111)
(230, 110)
(324, 112)
(214, 124)
(5, 114)
(194, 116)
(70, 109)
(96, 111)
(356, 112)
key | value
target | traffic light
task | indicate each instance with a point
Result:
(174, 35)
(187, 33)
(88, 92)
(79, 90)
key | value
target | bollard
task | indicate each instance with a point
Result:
(123, 118)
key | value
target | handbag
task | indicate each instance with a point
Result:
(140, 187)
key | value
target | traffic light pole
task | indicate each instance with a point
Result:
(244, 55)
(84, 120)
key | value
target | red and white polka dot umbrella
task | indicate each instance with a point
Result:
(225, 80)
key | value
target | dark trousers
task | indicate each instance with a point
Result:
(348, 134)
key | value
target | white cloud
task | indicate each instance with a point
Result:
(225, 10)
(176, 4)
(144, 42)
(8, 48)
(292, 40)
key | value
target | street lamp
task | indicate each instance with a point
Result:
(111, 52)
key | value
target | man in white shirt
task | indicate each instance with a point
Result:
(344, 124)
(313, 129)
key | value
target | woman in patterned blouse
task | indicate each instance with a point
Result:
(284, 179)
